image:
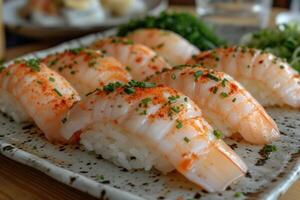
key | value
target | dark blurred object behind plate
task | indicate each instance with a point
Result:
(15, 23)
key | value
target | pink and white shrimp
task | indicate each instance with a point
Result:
(139, 126)
(29, 91)
(140, 60)
(174, 48)
(87, 69)
(270, 80)
(226, 105)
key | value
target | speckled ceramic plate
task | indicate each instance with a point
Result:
(72, 165)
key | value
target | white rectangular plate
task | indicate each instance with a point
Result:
(90, 173)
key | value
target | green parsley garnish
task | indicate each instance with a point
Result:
(185, 24)
(197, 74)
(76, 50)
(173, 76)
(269, 149)
(99, 177)
(51, 79)
(92, 63)
(218, 134)
(64, 120)
(128, 68)
(178, 124)
(122, 41)
(112, 86)
(129, 90)
(144, 102)
(187, 140)
(233, 100)
(238, 194)
(212, 77)
(175, 109)
(215, 89)
(33, 64)
(53, 62)
(223, 83)
(173, 99)
(224, 94)
(144, 112)
(57, 92)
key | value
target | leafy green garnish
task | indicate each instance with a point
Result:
(218, 134)
(33, 64)
(185, 24)
(282, 41)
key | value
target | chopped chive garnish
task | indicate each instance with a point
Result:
(175, 109)
(215, 89)
(197, 74)
(187, 140)
(128, 68)
(51, 79)
(64, 120)
(173, 99)
(129, 90)
(224, 94)
(33, 64)
(178, 124)
(57, 92)
(145, 101)
(238, 194)
(224, 82)
(212, 77)
(218, 134)
(144, 112)
(112, 86)
(173, 76)
(76, 50)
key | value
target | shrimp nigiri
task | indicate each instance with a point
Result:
(226, 105)
(270, 80)
(142, 126)
(140, 60)
(87, 69)
(174, 48)
(31, 91)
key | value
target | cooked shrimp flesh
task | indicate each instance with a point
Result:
(87, 69)
(174, 48)
(226, 104)
(165, 121)
(32, 92)
(269, 79)
(139, 60)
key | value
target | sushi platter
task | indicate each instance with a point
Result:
(72, 164)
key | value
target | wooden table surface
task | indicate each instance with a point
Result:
(19, 182)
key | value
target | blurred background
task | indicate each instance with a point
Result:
(27, 26)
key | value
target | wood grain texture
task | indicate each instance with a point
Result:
(19, 182)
